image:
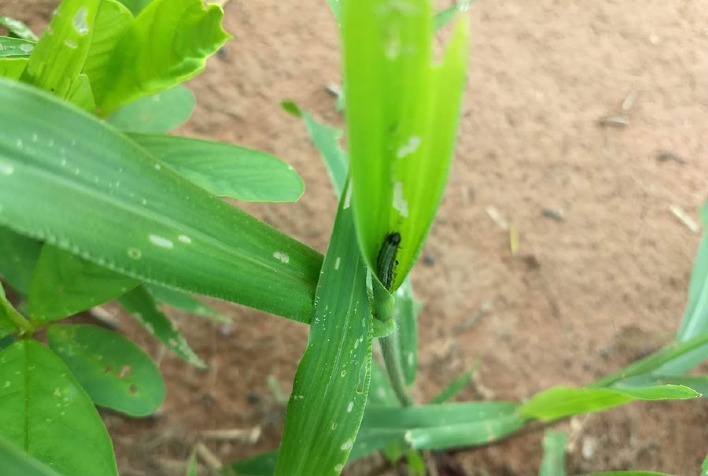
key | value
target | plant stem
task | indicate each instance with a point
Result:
(392, 360)
(19, 321)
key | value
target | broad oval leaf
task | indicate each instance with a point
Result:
(559, 402)
(115, 373)
(226, 170)
(16, 461)
(64, 284)
(47, 413)
(155, 114)
(145, 221)
(167, 44)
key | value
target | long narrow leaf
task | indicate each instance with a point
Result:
(553, 463)
(15, 47)
(402, 117)
(695, 318)
(145, 221)
(185, 302)
(559, 402)
(332, 380)
(226, 170)
(12, 68)
(445, 425)
(141, 305)
(18, 28)
(59, 57)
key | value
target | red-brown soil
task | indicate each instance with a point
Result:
(586, 295)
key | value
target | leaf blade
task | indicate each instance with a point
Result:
(115, 373)
(51, 186)
(226, 170)
(43, 404)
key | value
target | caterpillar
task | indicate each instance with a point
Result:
(386, 261)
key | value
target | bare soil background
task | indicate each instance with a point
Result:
(586, 295)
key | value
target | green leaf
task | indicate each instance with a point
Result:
(58, 58)
(553, 463)
(699, 383)
(627, 473)
(18, 28)
(167, 44)
(12, 68)
(81, 95)
(15, 461)
(18, 258)
(655, 362)
(145, 220)
(331, 384)
(185, 302)
(445, 16)
(405, 314)
(226, 170)
(192, 465)
(262, 464)
(15, 47)
(47, 413)
(559, 402)
(155, 114)
(402, 114)
(143, 308)
(112, 21)
(64, 284)
(445, 425)
(115, 373)
(326, 141)
(695, 318)
(11, 321)
(453, 388)
(380, 392)
(336, 7)
(135, 6)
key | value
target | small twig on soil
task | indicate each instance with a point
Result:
(478, 314)
(666, 155)
(630, 100)
(557, 215)
(685, 219)
(334, 90)
(105, 317)
(497, 217)
(234, 434)
(431, 463)
(617, 120)
(208, 457)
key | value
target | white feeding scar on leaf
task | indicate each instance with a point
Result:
(283, 257)
(184, 239)
(6, 169)
(409, 147)
(79, 21)
(160, 241)
(399, 203)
